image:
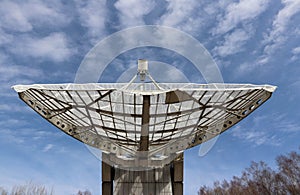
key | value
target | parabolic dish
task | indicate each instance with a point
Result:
(139, 124)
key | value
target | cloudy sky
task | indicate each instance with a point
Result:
(252, 41)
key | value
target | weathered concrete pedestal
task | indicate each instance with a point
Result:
(166, 180)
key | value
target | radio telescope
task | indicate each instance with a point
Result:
(143, 127)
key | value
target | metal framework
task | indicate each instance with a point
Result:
(143, 125)
(126, 122)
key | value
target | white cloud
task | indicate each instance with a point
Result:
(265, 129)
(36, 137)
(244, 68)
(187, 15)
(92, 15)
(53, 47)
(295, 86)
(296, 54)
(9, 136)
(282, 123)
(11, 74)
(233, 43)
(5, 38)
(236, 26)
(18, 19)
(48, 147)
(22, 16)
(14, 71)
(47, 12)
(13, 18)
(12, 122)
(14, 108)
(3, 58)
(296, 51)
(291, 7)
(214, 8)
(242, 11)
(132, 11)
(257, 137)
(278, 34)
(178, 11)
(44, 134)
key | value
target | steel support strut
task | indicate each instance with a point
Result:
(144, 140)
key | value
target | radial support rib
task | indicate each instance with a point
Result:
(144, 141)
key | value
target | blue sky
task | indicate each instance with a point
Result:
(252, 41)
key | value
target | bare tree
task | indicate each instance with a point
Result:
(86, 192)
(259, 178)
(289, 172)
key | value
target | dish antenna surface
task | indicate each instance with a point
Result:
(143, 127)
